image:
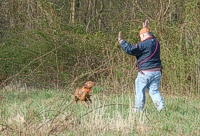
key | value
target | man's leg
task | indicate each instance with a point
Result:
(140, 89)
(154, 90)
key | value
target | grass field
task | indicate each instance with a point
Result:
(51, 112)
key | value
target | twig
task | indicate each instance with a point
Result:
(102, 107)
(58, 113)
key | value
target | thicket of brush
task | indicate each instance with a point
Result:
(61, 44)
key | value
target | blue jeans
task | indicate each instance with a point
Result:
(148, 80)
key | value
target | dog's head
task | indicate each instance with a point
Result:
(89, 84)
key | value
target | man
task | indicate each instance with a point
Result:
(149, 66)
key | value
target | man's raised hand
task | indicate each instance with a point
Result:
(145, 24)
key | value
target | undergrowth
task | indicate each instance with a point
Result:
(53, 112)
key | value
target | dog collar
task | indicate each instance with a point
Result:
(86, 90)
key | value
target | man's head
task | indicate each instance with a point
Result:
(144, 33)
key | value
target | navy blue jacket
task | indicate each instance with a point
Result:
(142, 51)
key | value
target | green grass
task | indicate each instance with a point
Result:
(51, 112)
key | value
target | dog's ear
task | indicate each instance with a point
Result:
(89, 84)
(85, 85)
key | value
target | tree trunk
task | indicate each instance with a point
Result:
(73, 11)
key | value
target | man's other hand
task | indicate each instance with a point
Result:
(119, 36)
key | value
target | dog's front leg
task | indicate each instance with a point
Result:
(85, 104)
(90, 100)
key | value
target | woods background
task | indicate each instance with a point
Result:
(62, 43)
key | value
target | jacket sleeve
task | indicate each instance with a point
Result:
(130, 48)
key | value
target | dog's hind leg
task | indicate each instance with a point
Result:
(76, 99)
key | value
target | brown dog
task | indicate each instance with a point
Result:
(82, 93)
